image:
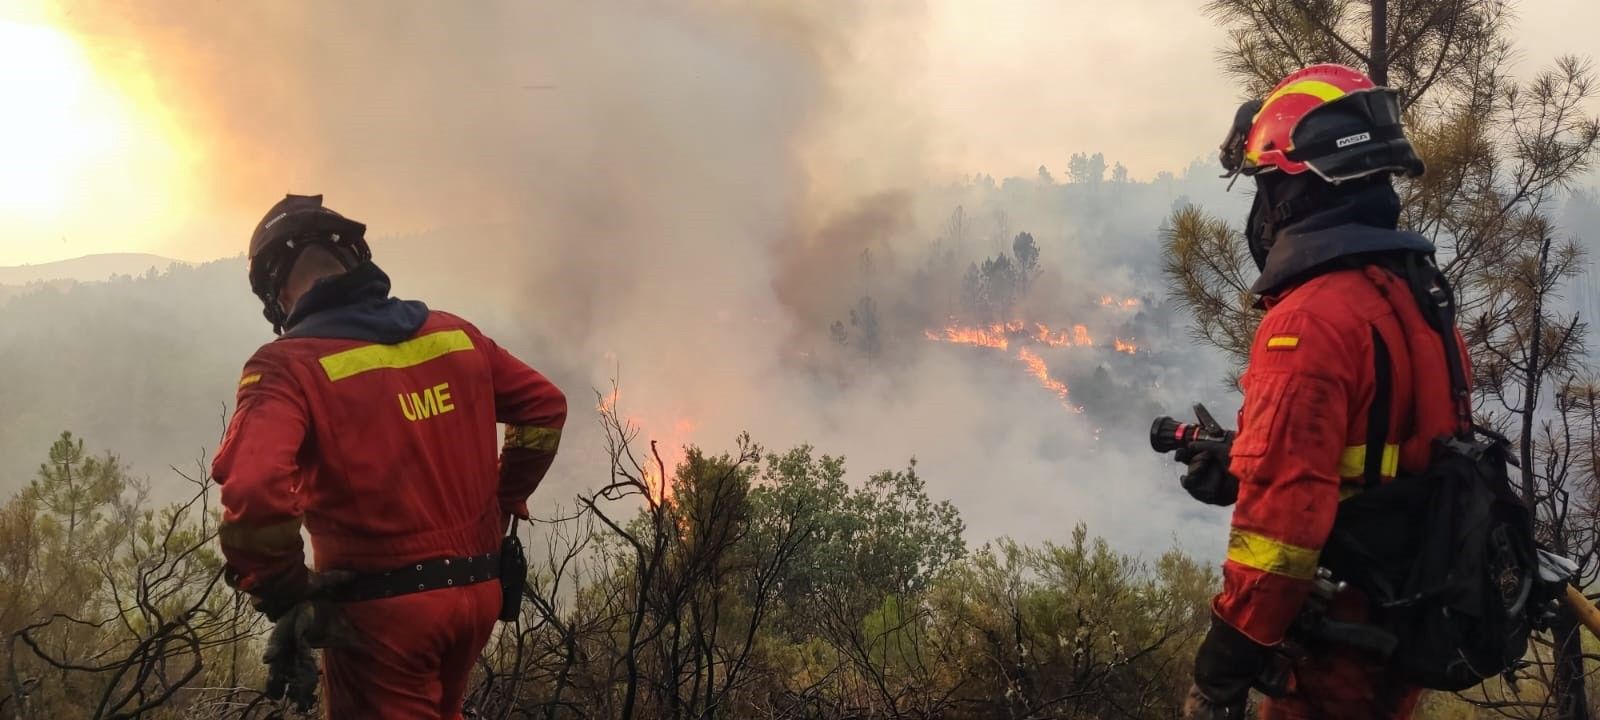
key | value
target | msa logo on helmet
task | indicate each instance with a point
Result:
(1356, 139)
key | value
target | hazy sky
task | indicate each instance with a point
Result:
(103, 153)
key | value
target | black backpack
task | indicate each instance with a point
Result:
(1447, 558)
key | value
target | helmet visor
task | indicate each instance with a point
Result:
(1354, 136)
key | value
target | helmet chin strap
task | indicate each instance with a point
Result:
(1276, 204)
(272, 301)
(1280, 201)
(273, 311)
(277, 279)
(1257, 233)
(271, 305)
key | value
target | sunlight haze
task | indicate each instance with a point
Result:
(112, 150)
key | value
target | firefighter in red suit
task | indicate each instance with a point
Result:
(371, 423)
(1322, 148)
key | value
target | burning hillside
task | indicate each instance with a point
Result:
(1025, 339)
(662, 446)
(1119, 303)
(1037, 368)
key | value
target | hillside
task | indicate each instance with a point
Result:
(145, 365)
(863, 363)
(84, 269)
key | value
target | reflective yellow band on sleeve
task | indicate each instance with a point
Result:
(539, 439)
(250, 379)
(265, 539)
(1283, 342)
(415, 351)
(1254, 550)
(1353, 462)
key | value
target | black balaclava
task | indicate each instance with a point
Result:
(1306, 200)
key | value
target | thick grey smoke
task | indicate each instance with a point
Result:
(679, 196)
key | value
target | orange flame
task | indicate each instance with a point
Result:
(683, 429)
(993, 336)
(1037, 368)
(1045, 337)
(1122, 304)
(1001, 336)
(659, 488)
(1079, 337)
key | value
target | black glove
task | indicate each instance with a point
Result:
(1198, 707)
(1208, 479)
(291, 665)
(312, 623)
(1227, 664)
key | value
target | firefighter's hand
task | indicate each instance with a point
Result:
(1208, 479)
(311, 623)
(1225, 667)
(1198, 707)
(291, 664)
(277, 598)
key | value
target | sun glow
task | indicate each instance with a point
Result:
(84, 150)
(58, 118)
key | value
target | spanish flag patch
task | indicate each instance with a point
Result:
(250, 379)
(1283, 342)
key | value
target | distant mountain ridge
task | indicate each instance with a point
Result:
(89, 268)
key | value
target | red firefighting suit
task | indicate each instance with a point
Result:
(1301, 449)
(386, 452)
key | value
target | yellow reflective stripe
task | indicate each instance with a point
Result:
(539, 439)
(1315, 88)
(1349, 490)
(415, 351)
(1283, 341)
(250, 379)
(1353, 462)
(1254, 550)
(266, 539)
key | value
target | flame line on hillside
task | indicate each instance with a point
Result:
(1038, 369)
(995, 337)
(990, 337)
(1122, 304)
(1080, 336)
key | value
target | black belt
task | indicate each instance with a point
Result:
(420, 577)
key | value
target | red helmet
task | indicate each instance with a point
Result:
(1330, 119)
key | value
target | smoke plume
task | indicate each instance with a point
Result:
(684, 197)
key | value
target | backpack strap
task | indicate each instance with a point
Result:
(1378, 413)
(1436, 300)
